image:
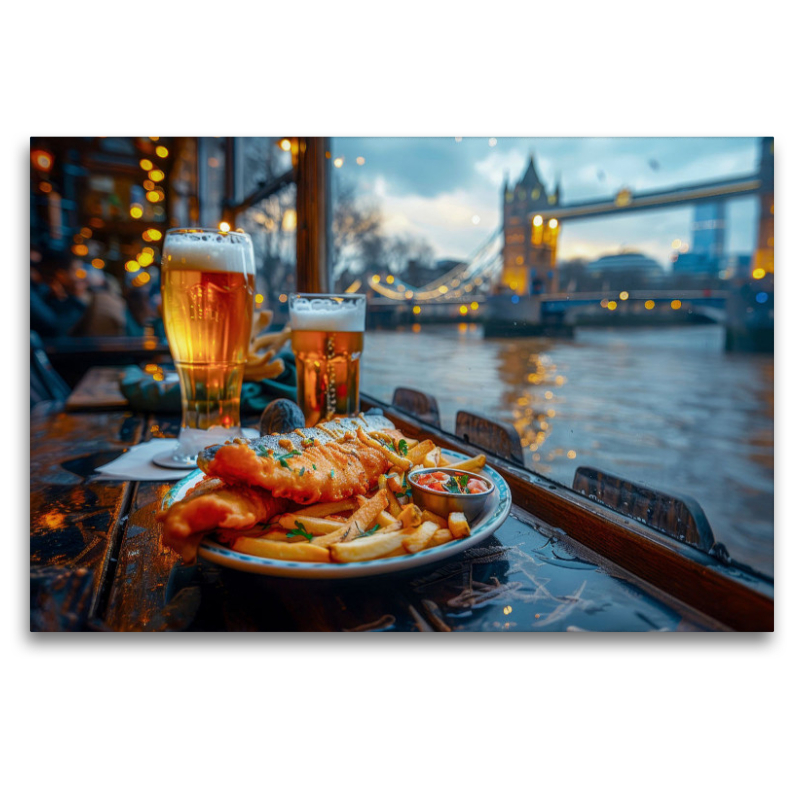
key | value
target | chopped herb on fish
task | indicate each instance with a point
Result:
(333, 472)
(314, 465)
(302, 471)
(282, 459)
(402, 447)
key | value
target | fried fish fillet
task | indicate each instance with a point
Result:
(309, 465)
(214, 506)
(319, 473)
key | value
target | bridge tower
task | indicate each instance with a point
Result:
(764, 256)
(530, 228)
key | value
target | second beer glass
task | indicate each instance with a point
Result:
(327, 339)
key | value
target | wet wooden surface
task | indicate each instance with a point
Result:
(97, 563)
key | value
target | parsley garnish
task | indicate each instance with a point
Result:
(282, 459)
(299, 530)
(262, 451)
(402, 447)
(314, 465)
(368, 533)
(333, 472)
(302, 471)
(463, 480)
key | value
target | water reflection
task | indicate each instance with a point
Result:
(667, 408)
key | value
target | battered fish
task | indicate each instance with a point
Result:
(213, 506)
(309, 465)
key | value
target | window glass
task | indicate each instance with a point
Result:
(612, 299)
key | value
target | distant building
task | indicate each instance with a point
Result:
(693, 263)
(708, 230)
(530, 228)
(619, 263)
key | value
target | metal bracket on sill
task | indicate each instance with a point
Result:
(680, 517)
(420, 405)
(498, 438)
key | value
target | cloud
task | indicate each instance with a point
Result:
(432, 187)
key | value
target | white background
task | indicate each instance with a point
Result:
(398, 716)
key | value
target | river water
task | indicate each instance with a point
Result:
(664, 407)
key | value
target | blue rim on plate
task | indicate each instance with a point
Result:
(497, 509)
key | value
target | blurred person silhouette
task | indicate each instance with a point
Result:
(105, 314)
(58, 303)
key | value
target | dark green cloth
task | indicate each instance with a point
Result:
(144, 393)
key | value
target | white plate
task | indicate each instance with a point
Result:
(494, 514)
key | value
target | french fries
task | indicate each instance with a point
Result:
(311, 524)
(441, 536)
(367, 547)
(432, 458)
(364, 518)
(458, 525)
(267, 548)
(416, 454)
(394, 506)
(410, 516)
(473, 464)
(429, 516)
(419, 538)
(398, 461)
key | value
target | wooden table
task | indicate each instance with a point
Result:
(97, 561)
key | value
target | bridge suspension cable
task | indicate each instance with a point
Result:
(483, 264)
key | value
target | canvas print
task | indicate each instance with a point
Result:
(451, 384)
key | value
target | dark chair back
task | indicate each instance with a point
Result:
(46, 383)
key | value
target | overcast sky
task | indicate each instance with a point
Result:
(449, 192)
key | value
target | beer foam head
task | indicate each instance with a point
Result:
(210, 251)
(327, 314)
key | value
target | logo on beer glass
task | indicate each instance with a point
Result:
(327, 339)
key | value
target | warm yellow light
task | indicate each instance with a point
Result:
(153, 197)
(612, 304)
(416, 309)
(676, 304)
(283, 298)
(409, 294)
(80, 274)
(463, 310)
(162, 151)
(649, 305)
(155, 235)
(46, 187)
(604, 303)
(144, 259)
(80, 249)
(571, 454)
(474, 305)
(337, 162)
(154, 138)
(553, 223)
(442, 289)
(149, 251)
(86, 233)
(98, 263)
(155, 175)
(416, 327)
(676, 243)
(146, 164)
(623, 295)
(42, 160)
(224, 227)
(132, 266)
(144, 278)
(759, 273)
(537, 220)
(390, 279)
(136, 211)
(259, 298)
(376, 278)
(289, 222)
(360, 161)
(285, 145)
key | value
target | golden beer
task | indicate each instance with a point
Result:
(207, 290)
(327, 339)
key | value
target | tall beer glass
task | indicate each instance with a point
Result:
(207, 291)
(327, 339)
